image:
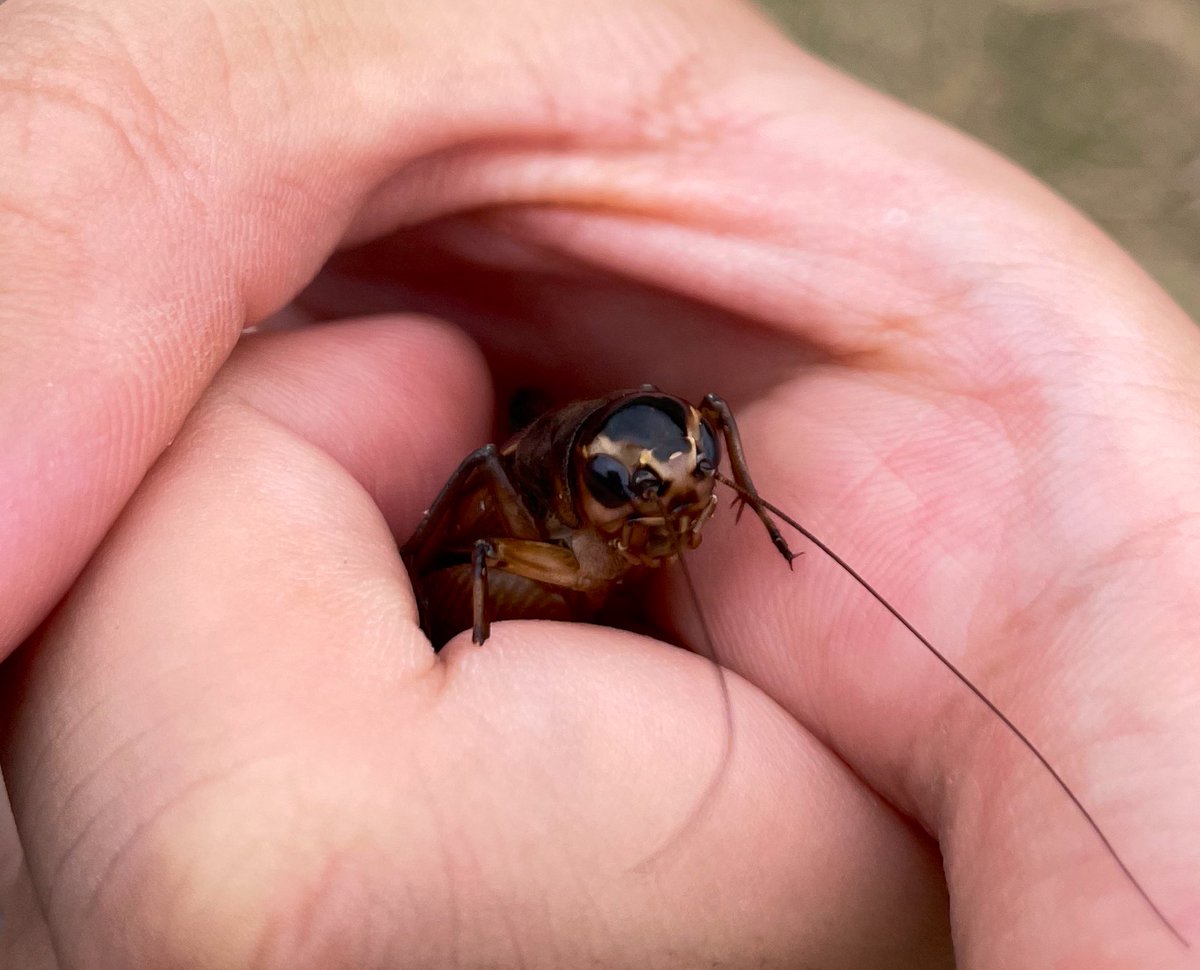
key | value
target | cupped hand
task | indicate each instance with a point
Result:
(231, 744)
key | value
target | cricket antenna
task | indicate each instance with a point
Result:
(757, 502)
(704, 803)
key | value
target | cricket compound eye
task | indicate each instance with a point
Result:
(607, 479)
(708, 451)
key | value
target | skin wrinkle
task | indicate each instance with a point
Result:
(1008, 375)
(1074, 853)
(514, 936)
(1071, 599)
(279, 50)
(224, 60)
(119, 798)
(542, 91)
(67, 729)
(139, 832)
(517, 858)
(181, 887)
(158, 129)
(120, 130)
(940, 400)
(193, 860)
(79, 108)
(462, 867)
(597, 192)
(292, 192)
(117, 126)
(856, 323)
(1061, 432)
(285, 938)
(61, 229)
(1030, 287)
(128, 139)
(606, 928)
(60, 802)
(677, 111)
(451, 906)
(1143, 545)
(507, 914)
(56, 36)
(76, 789)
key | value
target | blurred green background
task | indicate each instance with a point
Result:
(1099, 98)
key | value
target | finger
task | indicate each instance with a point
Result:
(233, 748)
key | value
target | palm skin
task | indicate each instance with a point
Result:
(231, 746)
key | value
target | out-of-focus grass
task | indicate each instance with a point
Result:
(1100, 99)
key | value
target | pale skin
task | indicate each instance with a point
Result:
(233, 747)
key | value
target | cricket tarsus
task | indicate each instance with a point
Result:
(755, 501)
(481, 625)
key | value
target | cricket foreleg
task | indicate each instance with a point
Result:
(715, 409)
(542, 562)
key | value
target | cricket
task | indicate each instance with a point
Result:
(550, 524)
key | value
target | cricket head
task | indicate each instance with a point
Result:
(645, 470)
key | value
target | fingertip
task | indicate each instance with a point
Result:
(395, 400)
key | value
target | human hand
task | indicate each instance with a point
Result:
(921, 338)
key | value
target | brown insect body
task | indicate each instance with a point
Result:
(547, 525)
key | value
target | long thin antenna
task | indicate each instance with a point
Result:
(949, 665)
(704, 802)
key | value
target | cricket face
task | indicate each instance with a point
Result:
(647, 478)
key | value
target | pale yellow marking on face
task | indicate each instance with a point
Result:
(601, 445)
